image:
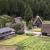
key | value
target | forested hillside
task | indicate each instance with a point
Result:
(26, 8)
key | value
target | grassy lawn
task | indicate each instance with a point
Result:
(14, 40)
(35, 43)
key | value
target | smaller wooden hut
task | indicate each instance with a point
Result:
(46, 28)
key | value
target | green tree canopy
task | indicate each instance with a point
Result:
(25, 8)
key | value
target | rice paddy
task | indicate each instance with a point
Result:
(28, 42)
(36, 43)
(14, 40)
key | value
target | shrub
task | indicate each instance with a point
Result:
(30, 25)
(37, 30)
(29, 34)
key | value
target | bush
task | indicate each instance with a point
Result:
(30, 25)
(29, 34)
(37, 30)
(19, 33)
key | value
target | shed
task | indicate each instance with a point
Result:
(46, 28)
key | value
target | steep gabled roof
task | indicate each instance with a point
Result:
(37, 17)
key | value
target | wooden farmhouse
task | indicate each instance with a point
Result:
(6, 33)
(44, 25)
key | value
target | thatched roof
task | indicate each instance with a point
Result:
(46, 22)
(37, 17)
(6, 29)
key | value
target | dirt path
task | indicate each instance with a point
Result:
(7, 47)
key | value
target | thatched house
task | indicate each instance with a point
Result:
(44, 25)
(6, 32)
(37, 22)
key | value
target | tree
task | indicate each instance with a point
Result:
(28, 14)
(21, 7)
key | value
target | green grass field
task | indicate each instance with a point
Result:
(35, 43)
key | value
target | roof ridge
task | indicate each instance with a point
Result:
(37, 19)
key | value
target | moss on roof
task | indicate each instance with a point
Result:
(46, 22)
